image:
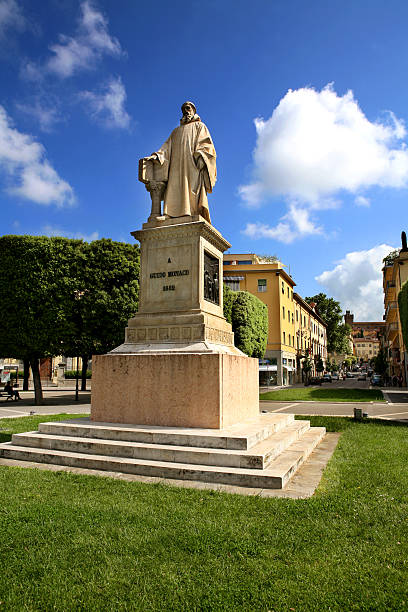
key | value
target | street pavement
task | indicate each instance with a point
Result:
(55, 401)
(395, 408)
(63, 401)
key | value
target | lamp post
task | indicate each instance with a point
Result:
(77, 295)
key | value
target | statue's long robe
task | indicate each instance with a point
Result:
(187, 187)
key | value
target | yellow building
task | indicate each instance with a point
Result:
(366, 349)
(293, 324)
(395, 274)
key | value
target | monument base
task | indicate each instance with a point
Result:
(210, 390)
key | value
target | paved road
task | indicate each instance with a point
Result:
(396, 407)
(55, 401)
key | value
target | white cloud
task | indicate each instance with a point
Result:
(46, 116)
(23, 160)
(317, 143)
(296, 223)
(10, 16)
(362, 201)
(52, 230)
(108, 106)
(356, 281)
(80, 52)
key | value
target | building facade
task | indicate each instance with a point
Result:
(293, 325)
(395, 274)
(365, 336)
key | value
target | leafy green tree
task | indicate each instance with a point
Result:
(319, 365)
(403, 311)
(35, 287)
(331, 313)
(106, 281)
(307, 367)
(380, 362)
(228, 299)
(249, 318)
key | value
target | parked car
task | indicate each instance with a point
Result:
(362, 376)
(327, 378)
(376, 380)
(335, 377)
(349, 375)
(315, 380)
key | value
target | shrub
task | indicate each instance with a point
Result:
(72, 374)
(403, 311)
(249, 317)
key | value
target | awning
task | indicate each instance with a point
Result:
(268, 368)
(233, 278)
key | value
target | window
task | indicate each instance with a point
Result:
(288, 291)
(292, 317)
(284, 338)
(283, 312)
(245, 262)
(261, 285)
(232, 284)
(292, 295)
(283, 288)
(297, 315)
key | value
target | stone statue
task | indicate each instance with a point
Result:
(404, 241)
(183, 170)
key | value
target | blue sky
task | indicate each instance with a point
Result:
(307, 104)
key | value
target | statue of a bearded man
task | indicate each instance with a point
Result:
(188, 168)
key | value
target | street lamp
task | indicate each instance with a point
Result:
(77, 296)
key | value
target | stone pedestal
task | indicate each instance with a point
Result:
(175, 390)
(178, 365)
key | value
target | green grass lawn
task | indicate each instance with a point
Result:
(73, 542)
(317, 394)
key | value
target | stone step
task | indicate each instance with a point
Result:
(258, 457)
(276, 475)
(242, 436)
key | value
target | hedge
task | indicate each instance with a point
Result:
(249, 319)
(72, 374)
(403, 311)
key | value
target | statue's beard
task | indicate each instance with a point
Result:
(187, 118)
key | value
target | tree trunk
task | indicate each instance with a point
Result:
(26, 374)
(84, 371)
(35, 367)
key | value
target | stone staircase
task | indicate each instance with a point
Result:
(264, 452)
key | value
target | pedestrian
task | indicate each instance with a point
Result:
(13, 393)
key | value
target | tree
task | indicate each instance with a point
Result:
(403, 312)
(106, 281)
(35, 287)
(249, 319)
(380, 362)
(307, 368)
(330, 311)
(64, 296)
(319, 365)
(228, 300)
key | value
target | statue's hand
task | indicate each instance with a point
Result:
(200, 162)
(152, 158)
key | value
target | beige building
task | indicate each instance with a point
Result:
(395, 274)
(295, 329)
(365, 348)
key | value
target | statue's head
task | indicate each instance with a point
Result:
(189, 110)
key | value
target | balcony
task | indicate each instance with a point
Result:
(391, 330)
